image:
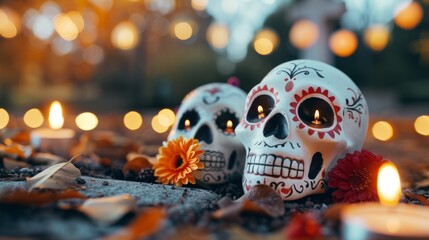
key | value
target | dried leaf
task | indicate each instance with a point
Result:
(47, 158)
(108, 210)
(303, 226)
(260, 199)
(38, 198)
(58, 176)
(144, 225)
(136, 162)
(9, 163)
(422, 199)
(15, 151)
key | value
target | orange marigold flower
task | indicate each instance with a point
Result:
(177, 161)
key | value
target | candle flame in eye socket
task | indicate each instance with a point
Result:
(261, 112)
(187, 124)
(56, 119)
(388, 184)
(229, 124)
(316, 115)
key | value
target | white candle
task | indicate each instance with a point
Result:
(56, 140)
(389, 219)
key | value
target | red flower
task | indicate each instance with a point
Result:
(355, 177)
(303, 226)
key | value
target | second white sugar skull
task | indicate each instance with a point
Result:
(210, 114)
(301, 118)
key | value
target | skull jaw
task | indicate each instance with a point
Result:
(289, 189)
(219, 169)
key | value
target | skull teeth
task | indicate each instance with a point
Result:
(275, 166)
(213, 160)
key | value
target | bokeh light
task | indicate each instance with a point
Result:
(183, 30)
(422, 125)
(65, 27)
(9, 23)
(33, 118)
(157, 126)
(133, 120)
(408, 15)
(199, 5)
(343, 43)
(303, 34)
(377, 37)
(382, 130)
(77, 19)
(171, 116)
(93, 54)
(265, 42)
(125, 35)
(4, 118)
(86, 121)
(217, 35)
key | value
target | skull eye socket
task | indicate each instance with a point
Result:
(226, 121)
(261, 107)
(316, 112)
(188, 120)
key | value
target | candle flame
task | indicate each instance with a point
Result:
(388, 184)
(316, 115)
(261, 112)
(56, 119)
(229, 124)
(187, 124)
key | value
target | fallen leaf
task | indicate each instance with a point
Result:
(108, 210)
(47, 158)
(16, 151)
(145, 224)
(303, 226)
(136, 162)
(38, 198)
(422, 199)
(260, 199)
(59, 176)
(22, 137)
(9, 163)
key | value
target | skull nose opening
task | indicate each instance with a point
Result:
(276, 126)
(204, 134)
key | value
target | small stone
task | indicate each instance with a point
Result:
(24, 170)
(146, 175)
(130, 176)
(117, 174)
(80, 181)
(105, 183)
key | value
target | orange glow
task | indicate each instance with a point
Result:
(125, 35)
(229, 124)
(217, 35)
(9, 23)
(303, 34)
(377, 37)
(261, 112)
(343, 43)
(4, 118)
(382, 130)
(421, 125)
(388, 184)
(316, 118)
(187, 124)
(65, 27)
(133, 120)
(265, 42)
(56, 119)
(86, 121)
(199, 5)
(33, 118)
(183, 30)
(409, 15)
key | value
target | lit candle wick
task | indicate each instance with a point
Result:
(316, 118)
(229, 127)
(187, 124)
(261, 112)
(56, 119)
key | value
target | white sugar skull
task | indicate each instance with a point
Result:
(298, 121)
(210, 113)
